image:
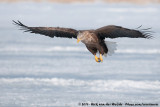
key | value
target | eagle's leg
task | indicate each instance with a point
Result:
(100, 57)
(97, 59)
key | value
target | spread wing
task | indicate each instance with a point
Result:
(117, 31)
(49, 31)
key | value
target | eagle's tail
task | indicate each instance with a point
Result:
(112, 46)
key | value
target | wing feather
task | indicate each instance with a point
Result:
(117, 31)
(49, 31)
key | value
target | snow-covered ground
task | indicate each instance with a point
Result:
(38, 71)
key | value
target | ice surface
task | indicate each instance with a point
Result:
(38, 71)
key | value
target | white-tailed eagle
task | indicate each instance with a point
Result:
(93, 39)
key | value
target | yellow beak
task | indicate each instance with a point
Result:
(78, 40)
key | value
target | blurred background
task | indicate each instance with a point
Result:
(38, 71)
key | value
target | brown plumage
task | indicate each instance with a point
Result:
(93, 39)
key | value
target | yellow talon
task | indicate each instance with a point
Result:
(100, 57)
(97, 59)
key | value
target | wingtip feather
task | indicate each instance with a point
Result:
(18, 23)
(146, 33)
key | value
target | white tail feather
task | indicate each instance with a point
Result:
(112, 46)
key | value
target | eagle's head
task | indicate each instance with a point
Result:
(82, 36)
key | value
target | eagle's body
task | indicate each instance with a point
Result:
(93, 39)
(93, 43)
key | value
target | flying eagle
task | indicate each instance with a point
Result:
(93, 39)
